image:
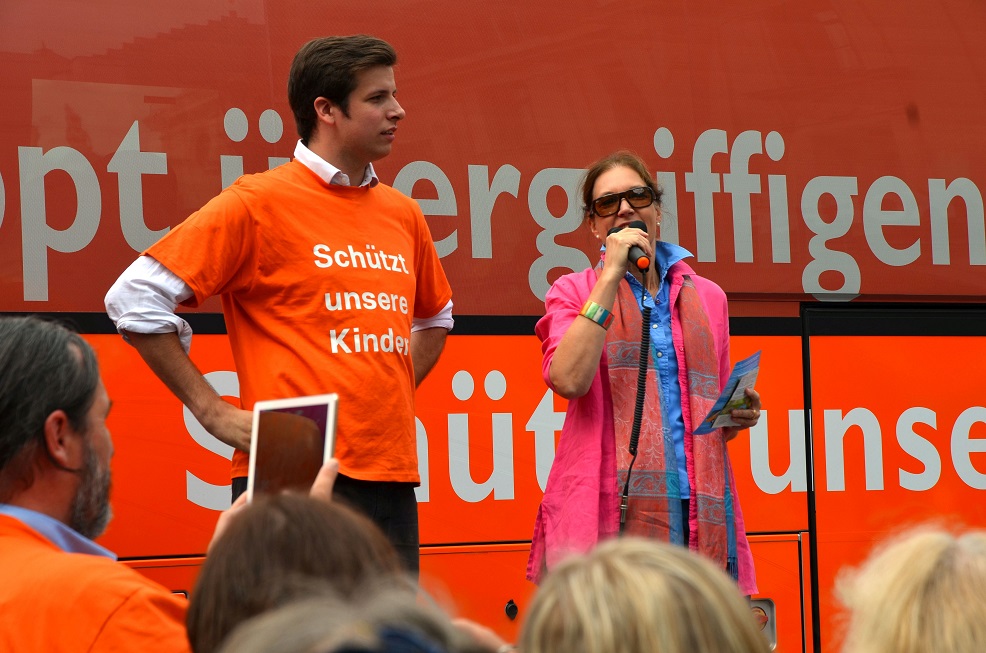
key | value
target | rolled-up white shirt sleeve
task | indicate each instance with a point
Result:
(443, 319)
(144, 298)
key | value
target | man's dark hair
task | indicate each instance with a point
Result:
(329, 67)
(44, 367)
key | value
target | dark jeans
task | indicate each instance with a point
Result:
(391, 506)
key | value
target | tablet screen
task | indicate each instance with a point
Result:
(291, 440)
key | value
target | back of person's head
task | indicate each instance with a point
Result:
(275, 550)
(639, 596)
(379, 619)
(44, 367)
(329, 67)
(922, 591)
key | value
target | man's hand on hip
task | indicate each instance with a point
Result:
(228, 423)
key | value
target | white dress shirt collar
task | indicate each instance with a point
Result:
(328, 172)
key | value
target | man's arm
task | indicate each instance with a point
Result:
(142, 305)
(426, 347)
(428, 340)
(165, 356)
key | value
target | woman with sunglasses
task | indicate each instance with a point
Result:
(676, 486)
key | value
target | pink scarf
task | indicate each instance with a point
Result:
(654, 509)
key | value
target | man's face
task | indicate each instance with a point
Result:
(91, 507)
(368, 133)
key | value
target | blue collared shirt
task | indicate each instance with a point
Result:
(662, 349)
(58, 533)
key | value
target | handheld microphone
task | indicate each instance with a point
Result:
(636, 255)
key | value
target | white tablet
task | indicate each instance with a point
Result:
(291, 440)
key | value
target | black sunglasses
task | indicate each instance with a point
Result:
(638, 198)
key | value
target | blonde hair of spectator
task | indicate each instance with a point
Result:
(639, 596)
(922, 591)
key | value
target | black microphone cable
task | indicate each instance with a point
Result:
(638, 412)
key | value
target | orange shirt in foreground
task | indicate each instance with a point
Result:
(56, 602)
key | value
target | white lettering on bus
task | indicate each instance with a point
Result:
(842, 433)
(741, 185)
(895, 227)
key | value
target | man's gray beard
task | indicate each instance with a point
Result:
(91, 510)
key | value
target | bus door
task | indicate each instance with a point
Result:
(896, 418)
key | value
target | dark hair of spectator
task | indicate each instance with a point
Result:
(44, 367)
(273, 552)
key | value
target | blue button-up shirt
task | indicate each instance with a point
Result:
(58, 533)
(662, 349)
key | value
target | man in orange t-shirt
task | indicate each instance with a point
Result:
(61, 591)
(329, 282)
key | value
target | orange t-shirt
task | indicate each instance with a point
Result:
(319, 284)
(55, 601)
